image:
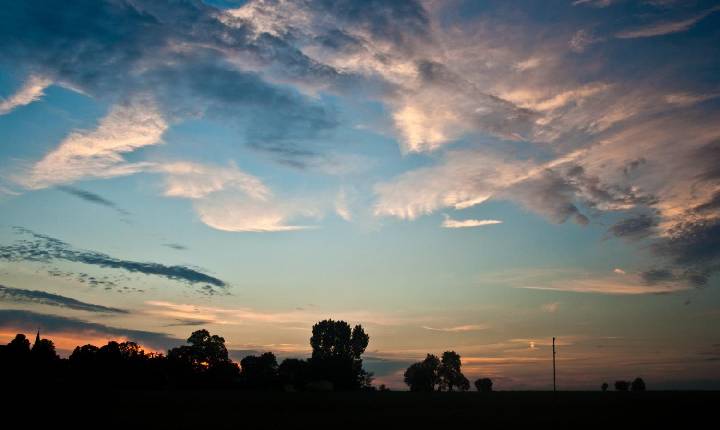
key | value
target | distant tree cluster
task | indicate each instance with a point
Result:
(638, 384)
(439, 374)
(335, 364)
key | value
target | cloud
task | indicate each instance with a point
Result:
(581, 39)
(41, 248)
(453, 223)
(464, 179)
(194, 181)
(635, 227)
(191, 58)
(289, 319)
(80, 330)
(667, 27)
(17, 295)
(231, 213)
(91, 197)
(628, 285)
(32, 90)
(551, 308)
(594, 3)
(99, 153)
(458, 329)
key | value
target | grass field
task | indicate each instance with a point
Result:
(235, 410)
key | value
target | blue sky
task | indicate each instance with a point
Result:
(476, 176)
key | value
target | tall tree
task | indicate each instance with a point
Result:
(451, 376)
(337, 354)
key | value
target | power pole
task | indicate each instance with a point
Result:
(554, 385)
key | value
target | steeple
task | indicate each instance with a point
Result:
(37, 338)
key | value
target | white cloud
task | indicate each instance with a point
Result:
(33, 89)
(619, 271)
(341, 205)
(99, 153)
(663, 28)
(453, 223)
(688, 99)
(459, 329)
(629, 285)
(464, 179)
(232, 213)
(194, 180)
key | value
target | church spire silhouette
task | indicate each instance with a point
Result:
(37, 338)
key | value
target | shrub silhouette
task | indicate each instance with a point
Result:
(484, 385)
(637, 385)
(604, 386)
(622, 385)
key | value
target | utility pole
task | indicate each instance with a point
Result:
(554, 385)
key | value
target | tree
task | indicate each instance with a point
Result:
(637, 385)
(43, 351)
(622, 385)
(19, 346)
(449, 372)
(423, 375)
(15, 360)
(604, 386)
(337, 352)
(204, 361)
(484, 385)
(294, 373)
(259, 371)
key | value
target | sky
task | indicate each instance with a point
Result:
(476, 176)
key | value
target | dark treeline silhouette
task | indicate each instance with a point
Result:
(335, 364)
(637, 385)
(203, 362)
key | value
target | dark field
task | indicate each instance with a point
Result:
(233, 409)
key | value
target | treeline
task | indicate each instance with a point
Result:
(335, 364)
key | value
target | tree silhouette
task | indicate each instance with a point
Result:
(259, 371)
(449, 372)
(204, 361)
(15, 360)
(294, 374)
(484, 385)
(637, 385)
(622, 385)
(423, 375)
(604, 386)
(337, 352)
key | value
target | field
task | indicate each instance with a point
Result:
(232, 409)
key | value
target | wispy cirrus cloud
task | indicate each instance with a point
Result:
(99, 153)
(32, 89)
(467, 223)
(627, 285)
(459, 328)
(17, 295)
(665, 27)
